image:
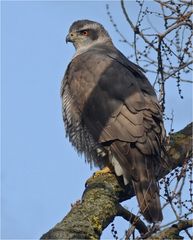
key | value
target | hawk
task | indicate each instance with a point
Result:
(111, 113)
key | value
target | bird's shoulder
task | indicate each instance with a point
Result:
(106, 60)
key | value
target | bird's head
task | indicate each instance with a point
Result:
(86, 33)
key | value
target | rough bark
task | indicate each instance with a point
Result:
(100, 202)
(173, 232)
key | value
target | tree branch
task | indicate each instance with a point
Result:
(173, 231)
(133, 219)
(102, 196)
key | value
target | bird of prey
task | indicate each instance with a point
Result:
(112, 115)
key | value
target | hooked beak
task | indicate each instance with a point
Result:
(68, 39)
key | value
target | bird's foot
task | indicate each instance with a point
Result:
(102, 171)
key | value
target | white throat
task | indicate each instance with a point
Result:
(82, 49)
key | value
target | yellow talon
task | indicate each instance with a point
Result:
(102, 171)
(98, 173)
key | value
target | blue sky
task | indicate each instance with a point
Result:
(41, 173)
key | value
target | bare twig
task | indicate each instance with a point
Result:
(173, 27)
(175, 221)
(172, 46)
(177, 70)
(135, 28)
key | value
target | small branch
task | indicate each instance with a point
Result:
(178, 69)
(186, 231)
(161, 71)
(133, 219)
(165, 5)
(176, 25)
(123, 37)
(135, 29)
(173, 231)
(171, 203)
(175, 221)
(186, 2)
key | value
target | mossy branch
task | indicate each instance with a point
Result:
(102, 196)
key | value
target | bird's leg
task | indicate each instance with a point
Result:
(153, 229)
(156, 227)
(103, 154)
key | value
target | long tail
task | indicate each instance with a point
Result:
(145, 186)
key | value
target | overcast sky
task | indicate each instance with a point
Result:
(41, 173)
